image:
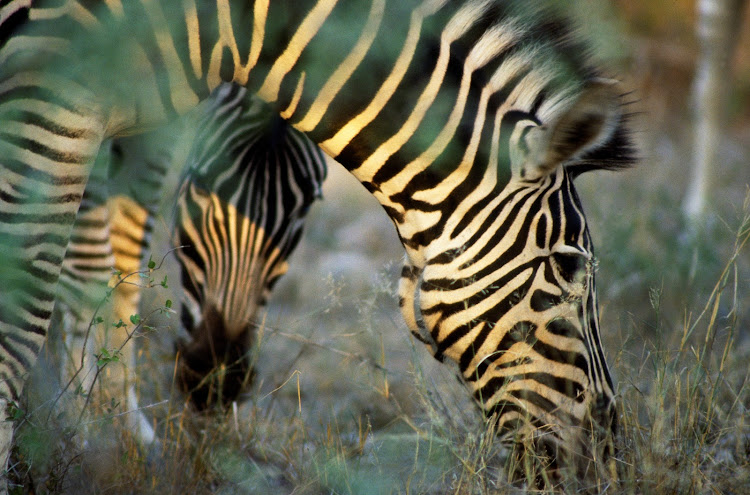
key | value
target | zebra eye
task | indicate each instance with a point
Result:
(571, 266)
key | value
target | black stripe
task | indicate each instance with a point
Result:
(563, 328)
(541, 231)
(36, 175)
(553, 207)
(38, 148)
(12, 24)
(38, 219)
(520, 332)
(11, 350)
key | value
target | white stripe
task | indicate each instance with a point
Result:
(344, 71)
(334, 145)
(310, 26)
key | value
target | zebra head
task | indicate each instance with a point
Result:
(251, 180)
(506, 288)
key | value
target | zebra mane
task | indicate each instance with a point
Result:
(555, 34)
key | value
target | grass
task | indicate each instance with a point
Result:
(686, 430)
(345, 401)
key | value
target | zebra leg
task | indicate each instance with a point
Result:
(139, 166)
(47, 148)
(82, 288)
(130, 226)
(83, 295)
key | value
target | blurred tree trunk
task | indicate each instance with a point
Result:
(717, 26)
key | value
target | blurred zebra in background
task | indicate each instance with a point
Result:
(467, 121)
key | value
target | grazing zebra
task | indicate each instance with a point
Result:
(250, 180)
(466, 120)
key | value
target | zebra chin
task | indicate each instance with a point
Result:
(214, 365)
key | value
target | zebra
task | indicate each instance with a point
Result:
(467, 121)
(250, 180)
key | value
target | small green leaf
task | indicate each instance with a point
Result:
(135, 319)
(105, 357)
(151, 263)
(168, 304)
(80, 391)
(14, 412)
(164, 283)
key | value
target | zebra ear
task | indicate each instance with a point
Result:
(587, 123)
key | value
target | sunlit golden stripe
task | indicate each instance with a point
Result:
(310, 26)
(193, 34)
(399, 181)
(372, 164)
(226, 40)
(490, 45)
(334, 145)
(82, 15)
(260, 11)
(116, 7)
(344, 71)
(295, 98)
(244, 260)
(182, 96)
(127, 219)
(446, 134)
(215, 231)
(481, 54)
(233, 247)
(46, 14)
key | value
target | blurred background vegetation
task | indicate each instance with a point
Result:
(346, 402)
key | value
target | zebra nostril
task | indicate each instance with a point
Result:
(572, 267)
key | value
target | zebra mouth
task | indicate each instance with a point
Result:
(212, 378)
